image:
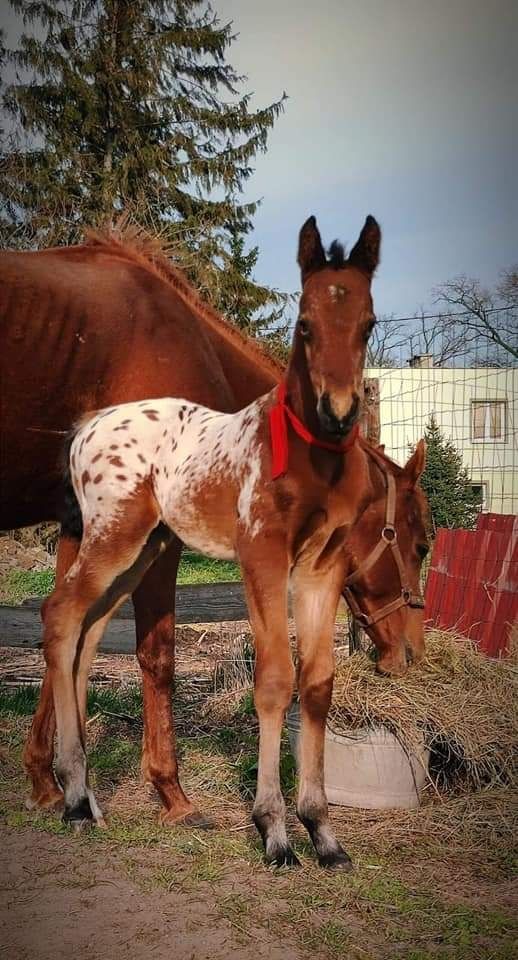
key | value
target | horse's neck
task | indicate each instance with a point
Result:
(248, 373)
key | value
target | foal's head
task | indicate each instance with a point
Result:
(335, 319)
(398, 633)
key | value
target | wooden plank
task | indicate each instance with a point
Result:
(21, 627)
(198, 603)
(370, 410)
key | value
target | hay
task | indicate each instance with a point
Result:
(463, 703)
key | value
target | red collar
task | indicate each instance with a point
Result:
(279, 414)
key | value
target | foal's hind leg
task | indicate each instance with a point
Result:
(38, 754)
(101, 560)
(154, 602)
(315, 603)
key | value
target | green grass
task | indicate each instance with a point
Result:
(21, 701)
(197, 569)
(19, 585)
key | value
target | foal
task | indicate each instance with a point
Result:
(277, 484)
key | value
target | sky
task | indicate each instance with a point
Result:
(406, 109)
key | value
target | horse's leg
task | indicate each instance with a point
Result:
(38, 753)
(265, 575)
(92, 588)
(154, 603)
(315, 599)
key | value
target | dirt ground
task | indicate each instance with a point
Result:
(62, 900)
(428, 885)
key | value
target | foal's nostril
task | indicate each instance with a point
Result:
(325, 406)
(339, 426)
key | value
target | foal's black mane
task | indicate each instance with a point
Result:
(336, 255)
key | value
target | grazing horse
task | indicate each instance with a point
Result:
(277, 484)
(111, 321)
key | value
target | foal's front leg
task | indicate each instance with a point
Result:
(265, 575)
(315, 602)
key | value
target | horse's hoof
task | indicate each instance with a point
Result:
(338, 860)
(282, 857)
(45, 800)
(195, 820)
(199, 821)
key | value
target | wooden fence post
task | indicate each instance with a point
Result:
(371, 430)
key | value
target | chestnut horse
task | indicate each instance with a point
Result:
(114, 321)
(278, 485)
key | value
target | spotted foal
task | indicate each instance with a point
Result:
(277, 485)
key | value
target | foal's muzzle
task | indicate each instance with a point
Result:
(333, 425)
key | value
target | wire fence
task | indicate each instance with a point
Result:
(443, 368)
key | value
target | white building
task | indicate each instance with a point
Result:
(476, 408)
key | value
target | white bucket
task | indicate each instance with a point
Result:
(368, 767)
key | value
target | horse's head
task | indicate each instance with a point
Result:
(385, 551)
(335, 319)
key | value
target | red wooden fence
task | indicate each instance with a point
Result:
(472, 584)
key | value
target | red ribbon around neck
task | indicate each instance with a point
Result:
(279, 415)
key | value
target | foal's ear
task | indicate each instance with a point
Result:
(415, 466)
(381, 447)
(366, 252)
(311, 255)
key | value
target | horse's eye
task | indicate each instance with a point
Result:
(422, 550)
(304, 329)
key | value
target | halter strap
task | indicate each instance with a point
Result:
(388, 540)
(279, 415)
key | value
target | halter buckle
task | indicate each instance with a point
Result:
(406, 595)
(389, 533)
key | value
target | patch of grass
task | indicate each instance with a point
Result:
(17, 585)
(332, 936)
(124, 700)
(22, 701)
(247, 766)
(114, 757)
(194, 568)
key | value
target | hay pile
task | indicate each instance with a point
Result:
(464, 704)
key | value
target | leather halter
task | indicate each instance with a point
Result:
(387, 541)
(279, 415)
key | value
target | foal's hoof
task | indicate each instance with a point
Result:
(194, 819)
(282, 857)
(48, 799)
(337, 860)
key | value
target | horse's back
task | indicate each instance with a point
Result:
(83, 328)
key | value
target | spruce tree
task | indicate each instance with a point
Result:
(453, 502)
(131, 105)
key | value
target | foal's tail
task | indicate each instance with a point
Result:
(70, 515)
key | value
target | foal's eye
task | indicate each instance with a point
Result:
(304, 329)
(422, 550)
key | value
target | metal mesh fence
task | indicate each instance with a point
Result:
(443, 368)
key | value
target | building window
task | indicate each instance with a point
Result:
(489, 419)
(480, 491)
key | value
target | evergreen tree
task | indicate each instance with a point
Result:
(453, 502)
(130, 105)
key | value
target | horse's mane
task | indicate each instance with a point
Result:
(397, 470)
(137, 245)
